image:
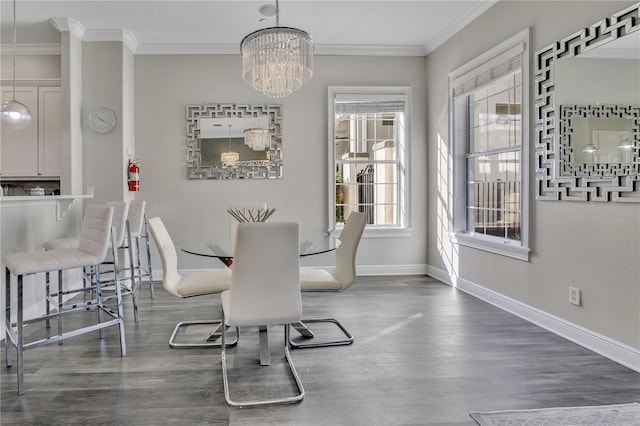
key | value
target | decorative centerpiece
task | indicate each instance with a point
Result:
(251, 215)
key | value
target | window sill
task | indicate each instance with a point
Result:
(502, 248)
(379, 232)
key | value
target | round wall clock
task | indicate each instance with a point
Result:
(102, 120)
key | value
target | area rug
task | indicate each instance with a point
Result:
(603, 415)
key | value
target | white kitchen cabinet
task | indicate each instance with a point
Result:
(35, 151)
(19, 148)
(49, 131)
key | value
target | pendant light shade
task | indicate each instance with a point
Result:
(277, 60)
(590, 149)
(626, 145)
(229, 158)
(257, 139)
(14, 114)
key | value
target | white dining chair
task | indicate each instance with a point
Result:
(338, 279)
(92, 250)
(265, 290)
(195, 284)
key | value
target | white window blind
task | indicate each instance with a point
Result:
(368, 107)
(499, 65)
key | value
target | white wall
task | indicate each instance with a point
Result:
(593, 246)
(164, 85)
(103, 71)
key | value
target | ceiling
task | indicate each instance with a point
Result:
(392, 27)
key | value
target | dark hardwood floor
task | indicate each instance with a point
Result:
(424, 354)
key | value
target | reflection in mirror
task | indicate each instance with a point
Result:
(595, 156)
(598, 140)
(221, 142)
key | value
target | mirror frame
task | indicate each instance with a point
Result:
(550, 183)
(254, 169)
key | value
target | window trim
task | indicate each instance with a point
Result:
(496, 245)
(404, 92)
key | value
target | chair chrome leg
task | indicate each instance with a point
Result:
(7, 318)
(316, 344)
(287, 400)
(203, 344)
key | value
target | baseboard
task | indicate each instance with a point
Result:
(602, 345)
(366, 270)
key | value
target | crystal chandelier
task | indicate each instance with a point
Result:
(14, 114)
(257, 139)
(229, 158)
(277, 60)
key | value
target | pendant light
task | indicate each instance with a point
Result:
(626, 145)
(257, 139)
(590, 149)
(277, 60)
(229, 158)
(14, 114)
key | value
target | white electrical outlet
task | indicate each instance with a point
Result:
(574, 296)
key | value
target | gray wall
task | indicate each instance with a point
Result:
(164, 85)
(104, 67)
(593, 246)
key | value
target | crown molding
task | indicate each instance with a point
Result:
(123, 35)
(69, 25)
(76, 28)
(369, 50)
(320, 49)
(462, 21)
(189, 49)
(130, 41)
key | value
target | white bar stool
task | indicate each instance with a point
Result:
(91, 252)
(138, 230)
(123, 241)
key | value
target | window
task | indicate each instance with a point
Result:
(368, 160)
(489, 98)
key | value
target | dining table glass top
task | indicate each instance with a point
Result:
(221, 246)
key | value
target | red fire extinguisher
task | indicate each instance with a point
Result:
(134, 175)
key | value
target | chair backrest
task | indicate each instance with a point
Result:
(265, 279)
(233, 222)
(136, 217)
(96, 230)
(170, 276)
(345, 270)
(120, 213)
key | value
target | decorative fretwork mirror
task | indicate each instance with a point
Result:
(594, 62)
(230, 141)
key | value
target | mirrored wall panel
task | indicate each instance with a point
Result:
(587, 113)
(230, 141)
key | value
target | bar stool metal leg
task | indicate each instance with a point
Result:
(46, 294)
(7, 322)
(60, 323)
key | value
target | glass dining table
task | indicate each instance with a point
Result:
(220, 246)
